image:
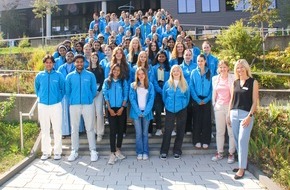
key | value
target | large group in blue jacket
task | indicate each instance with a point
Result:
(142, 64)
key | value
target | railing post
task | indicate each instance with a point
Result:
(21, 131)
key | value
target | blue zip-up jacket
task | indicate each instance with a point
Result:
(157, 88)
(64, 71)
(135, 112)
(58, 62)
(212, 64)
(200, 86)
(174, 100)
(81, 88)
(49, 87)
(187, 69)
(116, 93)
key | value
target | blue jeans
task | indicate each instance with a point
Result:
(141, 127)
(241, 135)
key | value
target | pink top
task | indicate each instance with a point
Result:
(223, 94)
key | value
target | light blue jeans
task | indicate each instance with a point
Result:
(241, 135)
(141, 127)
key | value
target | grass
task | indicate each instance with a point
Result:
(10, 153)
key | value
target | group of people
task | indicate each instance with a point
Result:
(147, 77)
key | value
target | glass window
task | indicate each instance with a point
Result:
(210, 5)
(186, 6)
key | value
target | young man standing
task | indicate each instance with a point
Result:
(49, 89)
(81, 89)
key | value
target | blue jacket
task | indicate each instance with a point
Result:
(144, 32)
(187, 69)
(174, 100)
(116, 93)
(135, 112)
(63, 69)
(49, 87)
(157, 88)
(200, 86)
(81, 88)
(212, 64)
(101, 25)
(58, 62)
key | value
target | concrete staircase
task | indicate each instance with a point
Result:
(128, 146)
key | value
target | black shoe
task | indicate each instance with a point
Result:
(235, 169)
(163, 156)
(176, 156)
(239, 177)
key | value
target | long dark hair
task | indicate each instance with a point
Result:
(98, 62)
(151, 54)
(111, 75)
(166, 62)
(207, 75)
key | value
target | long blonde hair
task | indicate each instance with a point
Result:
(182, 84)
(139, 62)
(131, 50)
(246, 65)
(137, 81)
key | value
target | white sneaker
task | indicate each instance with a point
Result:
(205, 146)
(145, 157)
(173, 133)
(198, 145)
(139, 157)
(188, 133)
(99, 138)
(57, 157)
(231, 159)
(94, 156)
(73, 156)
(119, 155)
(112, 159)
(45, 156)
(218, 156)
(158, 132)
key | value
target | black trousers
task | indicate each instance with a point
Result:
(158, 108)
(202, 123)
(189, 118)
(116, 124)
(170, 118)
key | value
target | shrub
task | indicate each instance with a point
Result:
(2, 43)
(270, 144)
(238, 42)
(24, 42)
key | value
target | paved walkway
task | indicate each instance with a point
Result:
(191, 172)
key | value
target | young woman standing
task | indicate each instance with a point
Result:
(176, 97)
(98, 101)
(201, 93)
(141, 97)
(115, 90)
(221, 95)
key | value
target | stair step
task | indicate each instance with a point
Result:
(129, 149)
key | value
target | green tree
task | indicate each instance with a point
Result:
(261, 12)
(239, 42)
(43, 7)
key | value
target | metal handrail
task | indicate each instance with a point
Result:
(29, 115)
